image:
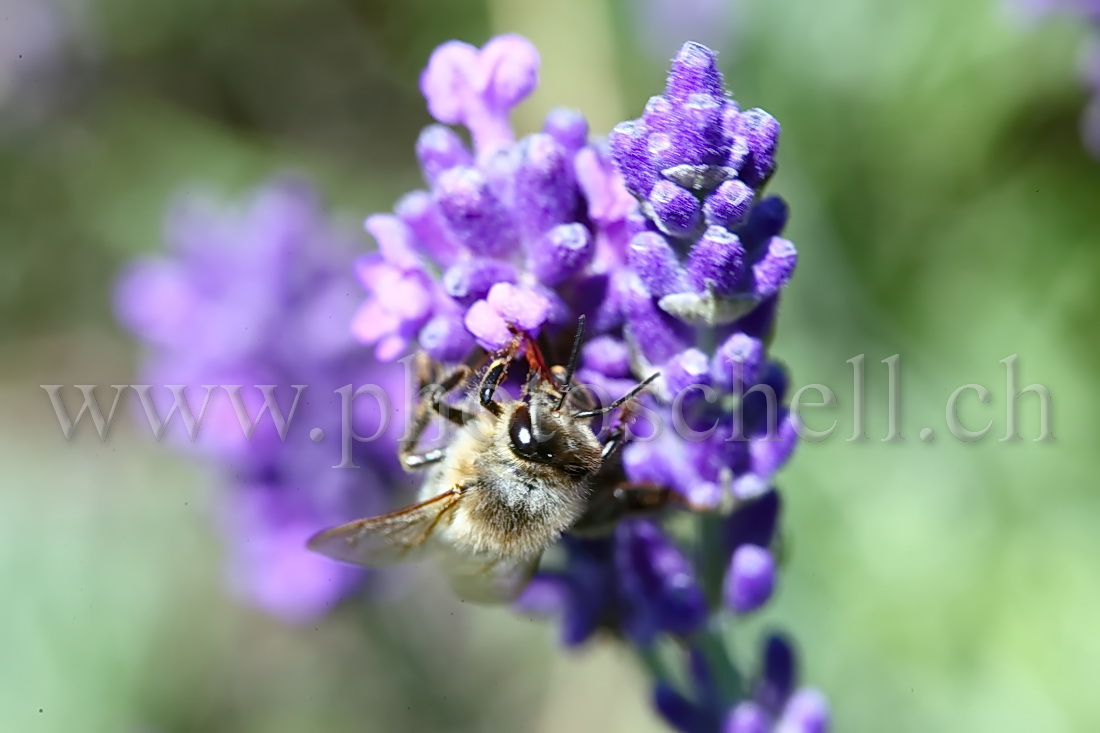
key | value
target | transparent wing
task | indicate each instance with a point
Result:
(387, 539)
(490, 581)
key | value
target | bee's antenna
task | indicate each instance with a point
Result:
(626, 397)
(572, 366)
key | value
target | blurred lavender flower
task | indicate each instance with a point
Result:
(263, 296)
(664, 240)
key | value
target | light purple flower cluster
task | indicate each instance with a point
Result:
(663, 240)
(509, 234)
(263, 296)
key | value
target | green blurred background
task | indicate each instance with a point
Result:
(944, 209)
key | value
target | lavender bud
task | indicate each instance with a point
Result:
(487, 326)
(659, 114)
(659, 582)
(676, 211)
(470, 279)
(475, 214)
(395, 240)
(568, 127)
(769, 453)
(738, 362)
(747, 717)
(779, 670)
(447, 81)
(806, 712)
(524, 308)
(658, 335)
(439, 149)
(772, 271)
(421, 214)
(561, 253)
(727, 206)
(629, 150)
(750, 579)
(510, 65)
(677, 710)
(698, 138)
(608, 356)
(753, 522)
(687, 369)
(658, 267)
(766, 220)
(694, 71)
(446, 339)
(716, 262)
(761, 133)
(546, 192)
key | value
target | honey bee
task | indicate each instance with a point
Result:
(513, 478)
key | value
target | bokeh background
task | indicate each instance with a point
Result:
(944, 208)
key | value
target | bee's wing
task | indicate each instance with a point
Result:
(387, 539)
(482, 580)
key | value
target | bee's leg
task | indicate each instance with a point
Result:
(495, 376)
(616, 439)
(432, 392)
(410, 460)
(618, 436)
(416, 461)
(624, 501)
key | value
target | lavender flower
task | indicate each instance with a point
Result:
(263, 296)
(522, 234)
(665, 241)
(636, 582)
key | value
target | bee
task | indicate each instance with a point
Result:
(512, 479)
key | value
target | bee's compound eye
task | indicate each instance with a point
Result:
(524, 441)
(523, 438)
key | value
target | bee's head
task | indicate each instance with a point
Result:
(541, 433)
